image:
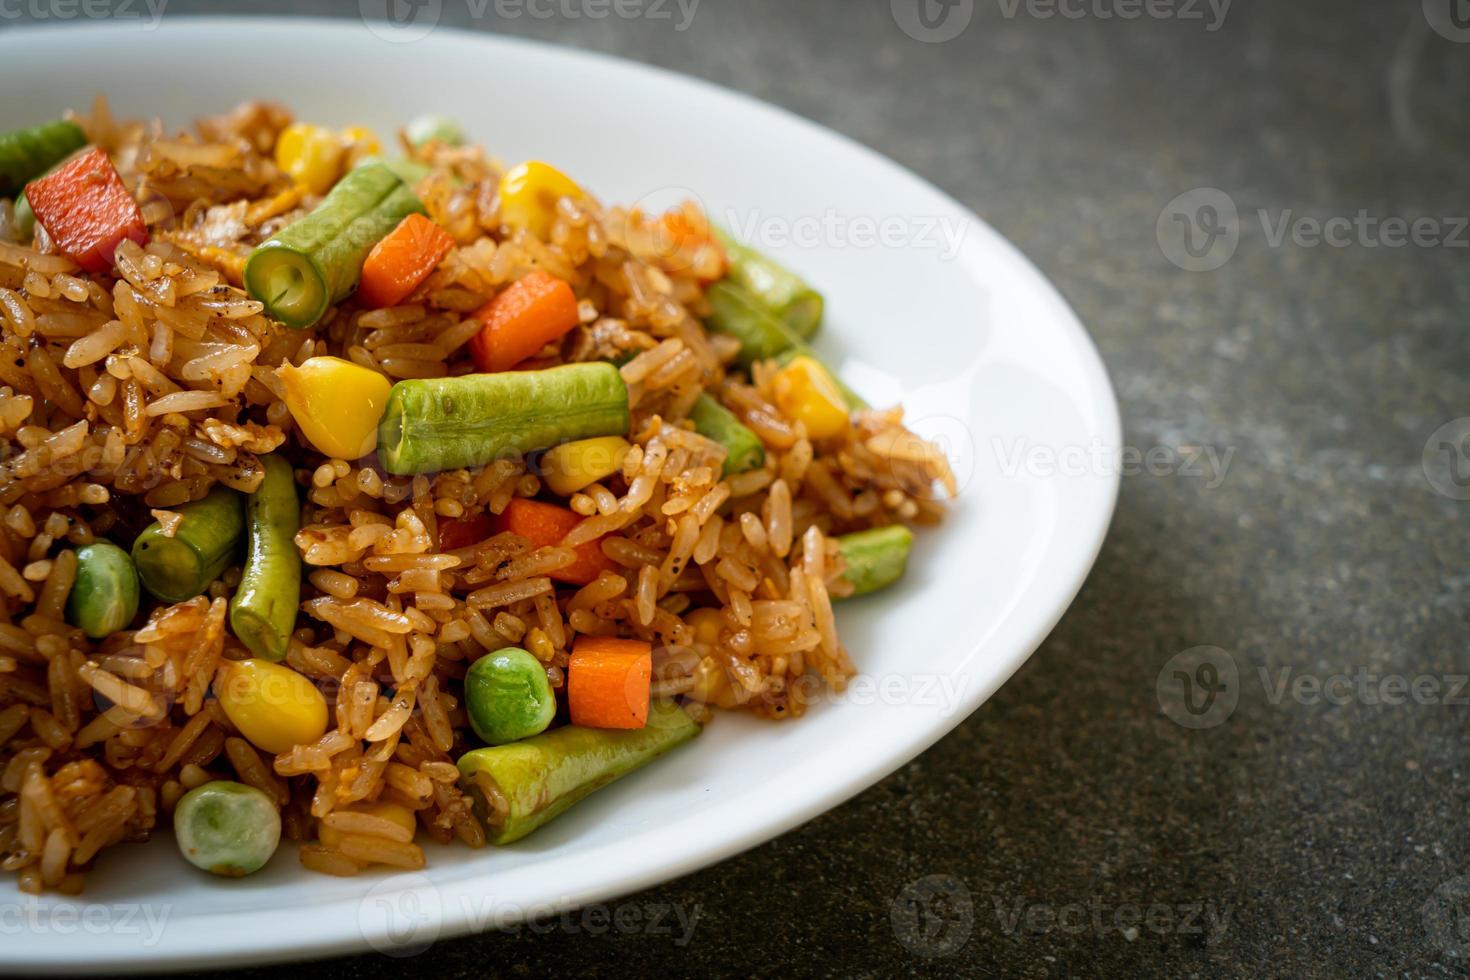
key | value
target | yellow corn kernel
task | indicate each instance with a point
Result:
(528, 196)
(359, 142)
(311, 155)
(337, 404)
(574, 465)
(274, 707)
(400, 815)
(806, 392)
(707, 624)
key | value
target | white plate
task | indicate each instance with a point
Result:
(981, 349)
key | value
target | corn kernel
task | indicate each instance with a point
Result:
(273, 706)
(337, 404)
(806, 392)
(400, 815)
(528, 196)
(574, 465)
(359, 142)
(311, 155)
(707, 624)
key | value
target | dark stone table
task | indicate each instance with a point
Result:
(1070, 827)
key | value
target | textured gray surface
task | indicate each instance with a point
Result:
(1307, 838)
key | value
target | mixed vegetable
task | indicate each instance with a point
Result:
(369, 235)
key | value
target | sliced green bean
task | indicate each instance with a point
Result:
(762, 335)
(423, 129)
(263, 611)
(875, 558)
(317, 261)
(408, 171)
(104, 597)
(26, 154)
(177, 568)
(24, 221)
(521, 786)
(435, 424)
(714, 421)
(776, 288)
(735, 312)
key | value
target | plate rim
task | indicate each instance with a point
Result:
(691, 858)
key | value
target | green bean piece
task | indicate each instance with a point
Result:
(177, 568)
(24, 221)
(779, 290)
(226, 828)
(423, 129)
(263, 611)
(508, 696)
(435, 424)
(104, 597)
(743, 449)
(762, 335)
(26, 154)
(519, 787)
(875, 558)
(408, 171)
(735, 312)
(317, 261)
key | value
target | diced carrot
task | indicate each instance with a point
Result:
(86, 210)
(609, 682)
(545, 525)
(399, 263)
(532, 312)
(461, 532)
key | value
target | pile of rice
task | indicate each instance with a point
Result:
(122, 398)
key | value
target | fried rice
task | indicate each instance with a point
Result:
(128, 394)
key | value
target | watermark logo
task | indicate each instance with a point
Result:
(1449, 18)
(1199, 688)
(932, 916)
(401, 21)
(1211, 12)
(932, 21)
(1446, 459)
(401, 916)
(1446, 917)
(1199, 230)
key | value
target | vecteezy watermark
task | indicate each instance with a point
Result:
(1449, 18)
(148, 12)
(1446, 459)
(936, 21)
(1020, 457)
(143, 920)
(404, 915)
(1096, 917)
(405, 21)
(932, 916)
(1201, 687)
(1200, 230)
(832, 229)
(1211, 13)
(1446, 917)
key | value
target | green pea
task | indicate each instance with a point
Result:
(104, 597)
(226, 828)
(508, 696)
